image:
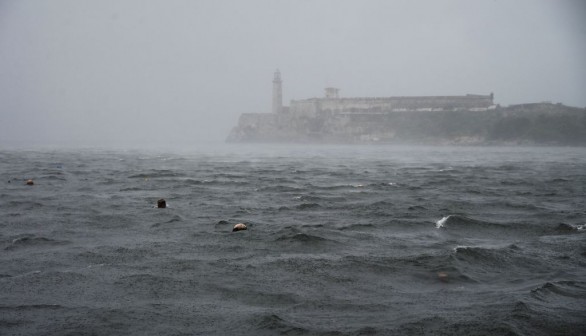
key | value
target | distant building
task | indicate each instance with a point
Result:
(336, 119)
(277, 93)
(369, 105)
(332, 92)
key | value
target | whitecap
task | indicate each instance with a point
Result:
(441, 223)
(460, 247)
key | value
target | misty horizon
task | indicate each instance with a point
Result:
(164, 74)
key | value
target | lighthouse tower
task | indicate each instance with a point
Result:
(277, 93)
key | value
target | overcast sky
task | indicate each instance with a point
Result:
(164, 73)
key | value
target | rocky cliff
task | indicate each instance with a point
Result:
(539, 124)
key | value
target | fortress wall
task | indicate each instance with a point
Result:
(355, 105)
(252, 126)
(308, 107)
(257, 119)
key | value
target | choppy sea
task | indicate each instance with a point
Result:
(341, 240)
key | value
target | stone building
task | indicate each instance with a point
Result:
(332, 118)
(332, 102)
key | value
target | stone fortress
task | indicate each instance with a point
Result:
(463, 119)
(333, 103)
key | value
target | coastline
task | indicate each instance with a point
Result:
(540, 124)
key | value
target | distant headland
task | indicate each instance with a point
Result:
(429, 120)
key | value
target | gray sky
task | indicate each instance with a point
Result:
(165, 73)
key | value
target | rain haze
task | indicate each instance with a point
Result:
(146, 74)
(157, 177)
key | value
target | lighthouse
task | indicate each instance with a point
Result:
(277, 93)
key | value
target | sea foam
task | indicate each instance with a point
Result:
(442, 222)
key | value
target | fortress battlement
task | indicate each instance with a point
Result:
(465, 119)
(333, 103)
(473, 102)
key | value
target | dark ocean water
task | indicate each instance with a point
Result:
(342, 240)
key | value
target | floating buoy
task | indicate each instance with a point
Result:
(161, 203)
(30, 182)
(443, 276)
(239, 227)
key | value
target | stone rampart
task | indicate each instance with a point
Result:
(388, 104)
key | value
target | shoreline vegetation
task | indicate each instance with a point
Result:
(542, 124)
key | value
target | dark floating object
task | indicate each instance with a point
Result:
(239, 227)
(442, 276)
(30, 182)
(161, 203)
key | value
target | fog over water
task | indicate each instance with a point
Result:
(179, 73)
(108, 108)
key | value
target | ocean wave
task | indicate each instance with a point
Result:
(281, 189)
(275, 324)
(497, 264)
(454, 223)
(517, 182)
(302, 238)
(115, 255)
(378, 205)
(147, 285)
(190, 181)
(559, 180)
(33, 241)
(337, 187)
(485, 255)
(509, 167)
(383, 185)
(307, 206)
(29, 307)
(261, 296)
(308, 198)
(569, 228)
(53, 177)
(418, 273)
(460, 220)
(325, 254)
(133, 189)
(380, 208)
(568, 289)
(449, 326)
(434, 181)
(358, 227)
(156, 173)
(231, 176)
(39, 280)
(24, 205)
(173, 219)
